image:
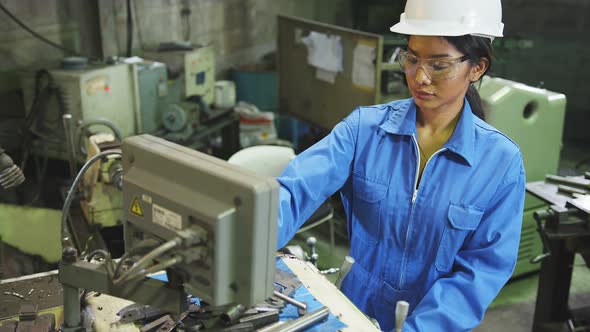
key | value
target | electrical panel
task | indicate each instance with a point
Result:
(226, 215)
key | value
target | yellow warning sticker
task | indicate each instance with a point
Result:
(136, 208)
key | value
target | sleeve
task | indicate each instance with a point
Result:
(314, 175)
(483, 265)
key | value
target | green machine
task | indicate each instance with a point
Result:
(163, 110)
(534, 119)
(175, 91)
(92, 94)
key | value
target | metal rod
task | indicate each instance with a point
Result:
(67, 122)
(576, 182)
(291, 300)
(71, 298)
(262, 319)
(570, 190)
(272, 327)
(304, 321)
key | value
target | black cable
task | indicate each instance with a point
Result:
(185, 13)
(129, 29)
(31, 118)
(138, 26)
(24, 26)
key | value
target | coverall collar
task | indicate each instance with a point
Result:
(402, 121)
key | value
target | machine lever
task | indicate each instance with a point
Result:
(539, 216)
(344, 269)
(313, 257)
(401, 312)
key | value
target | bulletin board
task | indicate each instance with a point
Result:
(305, 93)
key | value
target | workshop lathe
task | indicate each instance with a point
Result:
(208, 224)
(211, 227)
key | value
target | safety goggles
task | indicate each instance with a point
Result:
(435, 68)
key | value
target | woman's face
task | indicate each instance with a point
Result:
(437, 75)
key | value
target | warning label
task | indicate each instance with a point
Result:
(136, 208)
(166, 218)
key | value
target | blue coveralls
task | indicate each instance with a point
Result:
(446, 245)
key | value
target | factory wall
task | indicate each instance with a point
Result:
(547, 45)
(66, 22)
(241, 31)
(71, 23)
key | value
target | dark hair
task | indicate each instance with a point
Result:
(476, 48)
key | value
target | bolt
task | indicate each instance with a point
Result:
(69, 254)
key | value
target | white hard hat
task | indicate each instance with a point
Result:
(451, 18)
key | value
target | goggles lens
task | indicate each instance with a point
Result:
(435, 68)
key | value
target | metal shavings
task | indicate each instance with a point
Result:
(14, 294)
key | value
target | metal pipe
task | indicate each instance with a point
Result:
(304, 321)
(291, 300)
(262, 319)
(67, 122)
(272, 327)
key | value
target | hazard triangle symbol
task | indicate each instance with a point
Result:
(136, 208)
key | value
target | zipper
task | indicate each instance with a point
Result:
(414, 196)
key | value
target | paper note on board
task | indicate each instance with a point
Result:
(363, 66)
(324, 51)
(326, 76)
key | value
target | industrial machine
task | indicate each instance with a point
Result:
(210, 225)
(195, 67)
(152, 78)
(533, 118)
(176, 95)
(101, 94)
(564, 228)
(69, 110)
(194, 224)
(165, 110)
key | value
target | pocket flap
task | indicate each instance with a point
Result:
(367, 190)
(464, 216)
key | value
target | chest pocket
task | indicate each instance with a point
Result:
(461, 220)
(367, 206)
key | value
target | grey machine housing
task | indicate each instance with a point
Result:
(170, 189)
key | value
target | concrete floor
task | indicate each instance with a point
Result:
(513, 309)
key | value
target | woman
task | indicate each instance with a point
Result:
(433, 195)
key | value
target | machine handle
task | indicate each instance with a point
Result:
(401, 312)
(344, 269)
(539, 216)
